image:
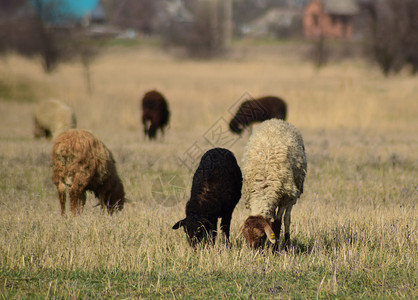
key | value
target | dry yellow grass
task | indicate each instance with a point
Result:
(353, 230)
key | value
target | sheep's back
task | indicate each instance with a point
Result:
(261, 109)
(55, 116)
(80, 153)
(217, 183)
(154, 103)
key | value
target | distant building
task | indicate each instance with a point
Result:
(98, 15)
(329, 18)
(276, 22)
(177, 12)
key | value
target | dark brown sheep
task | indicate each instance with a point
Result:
(216, 190)
(257, 110)
(81, 162)
(155, 113)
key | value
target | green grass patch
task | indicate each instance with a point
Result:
(20, 90)
(353, 231)
(129, 42)
(101, 283)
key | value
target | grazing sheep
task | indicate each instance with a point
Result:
(52, 117)
(155, 114)
(216, 190)
(81, 162)
(257, 110)
(274, 169)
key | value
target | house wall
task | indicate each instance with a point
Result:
(316, 21)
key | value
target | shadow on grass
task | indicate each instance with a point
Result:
(297, 246)
(301, 247)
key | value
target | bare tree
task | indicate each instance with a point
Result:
(320, 51)
(31, 30)
(24, 30)
(141, 15)
(392, 33)
(209, 32)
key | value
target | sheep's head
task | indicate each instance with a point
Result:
(235, 126)
(255, 231)
(115, 195)
(196, 229)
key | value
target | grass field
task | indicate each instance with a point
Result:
(353, 232)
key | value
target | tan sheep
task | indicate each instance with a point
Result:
(81, 162)
(274, 169)
(51, 117)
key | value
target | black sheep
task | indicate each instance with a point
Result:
(257, 110)
(216, 190)
(155, 113)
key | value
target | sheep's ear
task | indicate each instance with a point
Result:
(270, 234)
(179, 224)
(206, 222)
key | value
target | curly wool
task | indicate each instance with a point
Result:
(82, 162)
(274, 168)
(78, 153)
(51, 117)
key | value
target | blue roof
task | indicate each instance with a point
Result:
(63, 11)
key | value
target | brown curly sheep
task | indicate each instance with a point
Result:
(81, 162)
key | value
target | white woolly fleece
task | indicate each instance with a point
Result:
(274, 167)
(55, 116)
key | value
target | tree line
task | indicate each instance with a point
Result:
(390, 33)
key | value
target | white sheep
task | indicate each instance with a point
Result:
(51, 117)
(274, 169)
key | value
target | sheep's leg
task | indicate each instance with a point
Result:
(162, 134)
(225, 226)
(102, 201)
(82, 201)
(287, 227)
(38, 130)
(74, 201)
(152, 132)
(77, 196)
(145, 124)
(110, 207)
(48, 133)
(211, 233)
(61, 196)
(277, 224)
